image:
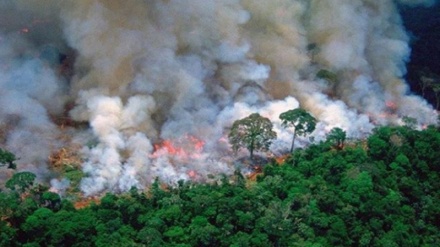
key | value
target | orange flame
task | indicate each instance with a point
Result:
(197, 143)
(192, 174)
(169, 147)
(186, 147)
(391, 106)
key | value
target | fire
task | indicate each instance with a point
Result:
(280, 159)
(198, 144)
(186, 147)
(183, 151)
(170, 148)
(391, 106)
(192, 174)
(386, 115)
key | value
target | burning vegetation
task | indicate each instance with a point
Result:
(184, 148)
(128, 98)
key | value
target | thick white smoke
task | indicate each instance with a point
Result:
(159, 82)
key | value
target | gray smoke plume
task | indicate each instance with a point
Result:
(159, 82)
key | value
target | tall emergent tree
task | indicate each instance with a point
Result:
(302, 122)
(253, 132)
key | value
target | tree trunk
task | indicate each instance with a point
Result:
(293, 142)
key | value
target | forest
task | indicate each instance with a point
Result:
(381, 191)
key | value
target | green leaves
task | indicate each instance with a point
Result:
(7, 158)
(299, 119)
(253, 132)
(302, 122)
(21, 181)
(380, 192)
(337, 136)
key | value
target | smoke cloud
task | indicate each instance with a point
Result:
(149, 88)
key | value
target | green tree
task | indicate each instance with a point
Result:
(38, 225)
(202, 233)
(337, 136)
(302, 122)
(7, 234)
(7, 158)
(21, 181)
(150, 237)
(51, 200)
(176, 234)
(253, 132)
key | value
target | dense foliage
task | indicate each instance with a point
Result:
(253, 132)
(383, 191)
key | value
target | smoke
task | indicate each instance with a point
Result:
(59, 186)
(159, 82)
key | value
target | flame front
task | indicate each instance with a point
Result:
(183, 149)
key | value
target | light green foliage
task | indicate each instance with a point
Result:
(253, 132)
(302, 122)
